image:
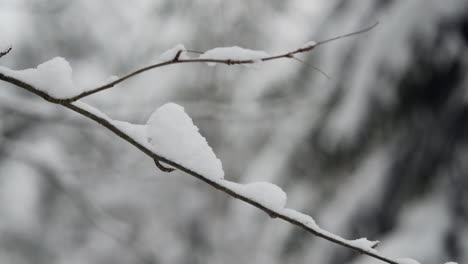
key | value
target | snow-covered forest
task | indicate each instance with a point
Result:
(379, 150)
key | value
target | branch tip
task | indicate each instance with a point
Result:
(313, 67)
(5, 52)
(361, 31)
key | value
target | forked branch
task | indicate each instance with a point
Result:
(272, 213)
(158, 159)
(176, 60)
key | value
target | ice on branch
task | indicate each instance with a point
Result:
(171, 54)
(263, 193)
(173, 135)
(309, 44)
(407, 261)
(54, 77)
(234, 54)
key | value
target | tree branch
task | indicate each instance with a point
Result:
(176, 60)
(5, 52)
(272, 213)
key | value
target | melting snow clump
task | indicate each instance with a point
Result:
(54, 77)
(364, 244)
(233, 53)
(173, 135)
(307, 220)
(264, 193)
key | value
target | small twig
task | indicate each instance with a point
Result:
(5, 52)
(161, 167)
(176, 60)
(364, 30)
(194, 51)
(312, 66)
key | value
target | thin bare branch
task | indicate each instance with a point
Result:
(194, 51)
(312, 66)
(214, 184)
(5, 52)
(364, 30)
(176, 60)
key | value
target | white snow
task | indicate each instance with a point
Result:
(264, 193)
(173, 135)
(363, 244)
(93, 110)
(307, 220)
(233, 53)
(53, 77)
(407, 261)
(170, 133)
(135, 131)
(309, 44)
(170, 54)
(450, 262)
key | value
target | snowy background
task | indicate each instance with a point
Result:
(379, 151)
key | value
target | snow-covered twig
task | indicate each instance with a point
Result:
(229, 188)
(177, 59)
(52, 81)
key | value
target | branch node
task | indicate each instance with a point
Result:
(161, 167)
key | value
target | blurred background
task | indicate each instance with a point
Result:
(378, 151)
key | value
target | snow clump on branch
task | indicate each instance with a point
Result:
(53, 77)
(264, 193)
(234, 53)
(172, 133)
